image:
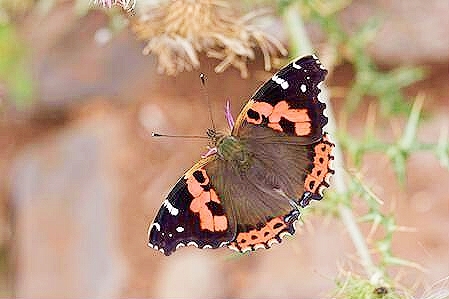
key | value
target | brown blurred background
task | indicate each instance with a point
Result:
(81, 178)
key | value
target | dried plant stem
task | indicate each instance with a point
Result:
(300, 45)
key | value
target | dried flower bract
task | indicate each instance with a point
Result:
(177, 31)
(127, 5)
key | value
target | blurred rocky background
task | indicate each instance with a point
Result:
(81, 178)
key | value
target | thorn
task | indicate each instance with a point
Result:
(409, 135)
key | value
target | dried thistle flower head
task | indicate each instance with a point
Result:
(127, 5)
(177, 31)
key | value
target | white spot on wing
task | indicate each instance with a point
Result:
(259, 246)
(207, 246)
(272, 241)
(328, 176)
(180, 229)
(171, 209)
(233, 247)
(283, 234)
(296, 66)
(321, 188)
(180, 245)
(294, 224)
(156, 225)
(192, 244)
(331, 166)
(283, 83)
(246, 249)
(303, 87)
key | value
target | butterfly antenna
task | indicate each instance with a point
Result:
(206, 95)
(178, 136)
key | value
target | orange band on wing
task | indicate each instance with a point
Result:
(263, 109)
(208, 221)
(321, 170)
(250, 239)
(303, 128)
(298, 117)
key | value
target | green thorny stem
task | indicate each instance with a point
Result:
(300, 45)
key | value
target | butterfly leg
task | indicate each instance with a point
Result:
(307, 197)
(210, 151)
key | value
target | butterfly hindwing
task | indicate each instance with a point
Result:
(252, 199)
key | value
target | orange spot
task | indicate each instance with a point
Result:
(264, 109)
(297, 115)
(194, 187)
(198, 205)
(267, 233)
(206, 219)
(243, 240)
(303, 129)
(279, 110)
(220, 223)
(214, 196)
(199, 202)
(277, 225)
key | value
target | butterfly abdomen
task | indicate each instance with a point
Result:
(234, 150)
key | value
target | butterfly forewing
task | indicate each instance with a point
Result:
(288, 102)
(192, 214)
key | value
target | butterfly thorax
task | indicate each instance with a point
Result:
(231, 149)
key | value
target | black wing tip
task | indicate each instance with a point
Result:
(310, 58)
(305, 58)
(302, 69)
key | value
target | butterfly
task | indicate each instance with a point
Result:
(247, 191)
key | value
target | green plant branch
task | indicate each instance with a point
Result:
(300, 45)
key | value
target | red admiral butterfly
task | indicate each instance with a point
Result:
(246, 192)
